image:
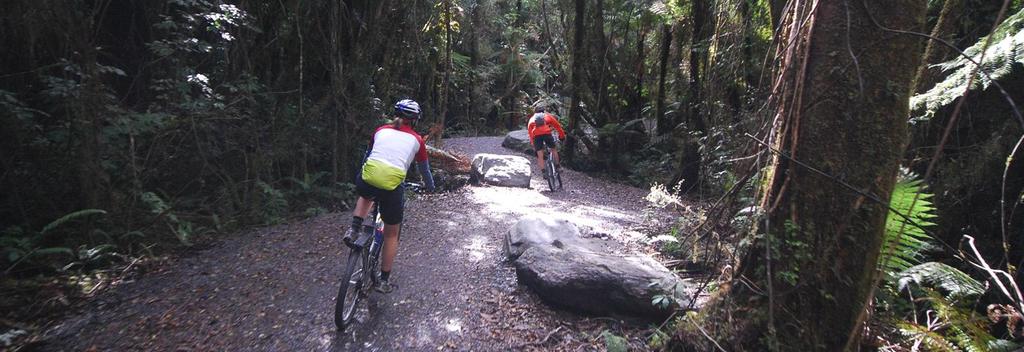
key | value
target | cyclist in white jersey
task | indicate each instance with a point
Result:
(393, 148)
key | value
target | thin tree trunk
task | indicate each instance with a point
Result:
(338, 66)
(601, 52)
(750, 64)
(665, 125)
(575, 110)
(698, 55)
(474, 62)
(815, 259)
(688, 173)
(439, 141)
(93, 180)
(776, 7)
(934, 52)
(555, 59)
(638, 90)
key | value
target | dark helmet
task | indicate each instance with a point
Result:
(538, 109)
(408, 109)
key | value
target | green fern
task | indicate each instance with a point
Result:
(1005, 51)
(182, 229)
(956, 284)
(67, 218)
(931, 339)
(905, 236)
(967, 329)
(273, 205)
(953, 328)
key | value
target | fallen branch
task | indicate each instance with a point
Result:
(448, 161)
(541, 342)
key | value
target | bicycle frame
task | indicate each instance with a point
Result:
(370, 243)
(367, 275)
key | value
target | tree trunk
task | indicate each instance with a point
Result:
(688, 172)
(600, 63)
(815, 259)
(777, 6)
(698, 55)
(665, 125)
(443, 101)
(750, 64)
(575, 110)
(93, 181)
(474, 62)
(935, 52)
(638, 89)
(556, 61)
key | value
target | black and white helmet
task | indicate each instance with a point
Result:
(408, 109)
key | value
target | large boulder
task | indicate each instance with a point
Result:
(502, 170)
(518, 140)
(582, 274)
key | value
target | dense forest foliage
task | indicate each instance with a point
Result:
(132, 127)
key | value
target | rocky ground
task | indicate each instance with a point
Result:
(274, 289)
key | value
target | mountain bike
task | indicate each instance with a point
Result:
(551, 174)
(362, 272)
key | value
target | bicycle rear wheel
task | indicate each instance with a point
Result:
(549, 173)
(349, 290)
(558, 178)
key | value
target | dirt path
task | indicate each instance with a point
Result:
(273, 290)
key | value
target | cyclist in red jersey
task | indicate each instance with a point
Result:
(539, 129)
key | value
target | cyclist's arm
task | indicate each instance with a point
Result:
(558, 126)
(423, 164)
(529, 130)
(428, 179)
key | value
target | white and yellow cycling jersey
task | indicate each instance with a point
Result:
(392, 152)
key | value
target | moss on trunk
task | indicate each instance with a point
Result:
(844, 115)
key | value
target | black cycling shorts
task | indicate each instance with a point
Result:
(541, 140)
(391, 204)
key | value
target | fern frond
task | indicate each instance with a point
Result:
(955, 283)
(905, 238)
(965, 327)
(67, 218)
(1005, 51)
(933, 340)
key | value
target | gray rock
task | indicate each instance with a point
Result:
(502, 170)
(518, 140)
(577, 273)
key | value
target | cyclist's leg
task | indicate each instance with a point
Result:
(362, 208)
(391, 212)
(554, 155)
(390, 249)
(538, 148)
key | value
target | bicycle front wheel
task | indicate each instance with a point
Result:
(348, 292)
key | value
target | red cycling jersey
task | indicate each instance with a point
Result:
(535, 130)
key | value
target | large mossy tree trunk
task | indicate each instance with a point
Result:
(804, 282)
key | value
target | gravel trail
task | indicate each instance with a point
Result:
(274, 289)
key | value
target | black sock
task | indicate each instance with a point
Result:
(384, 275)
(357, 222)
